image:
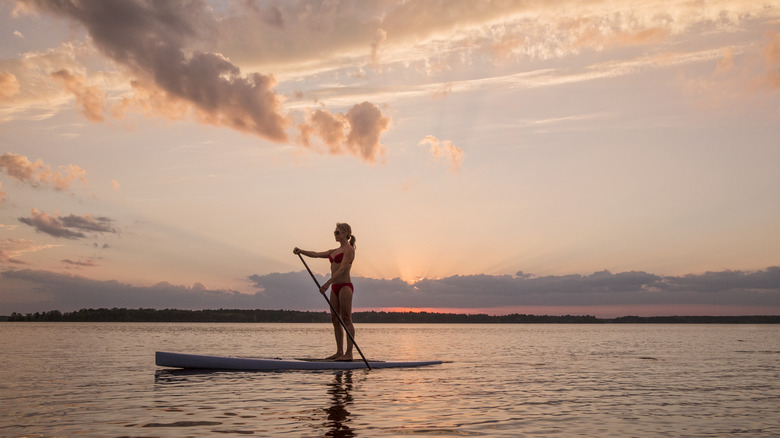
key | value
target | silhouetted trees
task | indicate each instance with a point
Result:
(260, 315)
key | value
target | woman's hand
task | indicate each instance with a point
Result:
(324, 288)
(296, 251)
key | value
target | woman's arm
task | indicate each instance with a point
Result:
(313, 254)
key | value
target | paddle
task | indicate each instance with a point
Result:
(335, 312)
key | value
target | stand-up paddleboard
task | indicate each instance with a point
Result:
(200, 362)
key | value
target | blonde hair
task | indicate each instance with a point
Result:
(348, 231)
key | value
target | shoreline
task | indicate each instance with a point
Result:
(295, 316)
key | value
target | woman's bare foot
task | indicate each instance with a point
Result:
(334, 356)
(344, 358)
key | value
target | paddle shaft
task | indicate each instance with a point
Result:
(335, 312)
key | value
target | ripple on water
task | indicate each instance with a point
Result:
(502, 380)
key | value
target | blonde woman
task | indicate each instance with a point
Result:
(340, 284)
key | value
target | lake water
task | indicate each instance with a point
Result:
(84, 379)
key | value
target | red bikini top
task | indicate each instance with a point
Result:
(339, 257)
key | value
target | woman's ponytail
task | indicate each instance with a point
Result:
(348, 231)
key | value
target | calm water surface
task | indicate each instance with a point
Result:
(83, 379)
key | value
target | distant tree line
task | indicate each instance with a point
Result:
(173, 315)
(748, 319)
(459, 318)
(289, 316)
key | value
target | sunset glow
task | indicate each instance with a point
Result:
(546, 157)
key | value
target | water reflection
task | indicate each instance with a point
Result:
(340, 391)
(176, 376)
(327, 413)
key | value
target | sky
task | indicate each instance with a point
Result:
(606, 158)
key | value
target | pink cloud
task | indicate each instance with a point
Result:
(153, 41)
(772, 60)
(727, 62)
(379, 38)
(90, 98)
(7, 258)
(38, 174)
(328, 127)
(150, 100)
(355, 133)
(9, 86)
(444, 150)
(11, 249)
(366, 123)
(443, 91)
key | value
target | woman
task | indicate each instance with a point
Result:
(341, 291)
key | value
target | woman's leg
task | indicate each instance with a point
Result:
(345, 310)
(337, 330)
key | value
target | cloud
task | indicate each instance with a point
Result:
(10, 249)
(772, 60)
(89, 263)
(3, 194)
(50, 225)
(28, 290)
(591, 33)
(727, 62)
(281, 290)
(150, 100)
(183, 59)
(444, 150)
(295, 33)
(162, 46)
(355, 133)
(88, 223)
(9, 86)
(730, 292)
(379, 38)
(28, 90)
(504, 32)
(38, 174)
(90, 98)
(331, 128)
(443, 91)
(318, 35)
(69, 227)
(154, 39)
(6, 257)
(727, 288)
(600, 288)
(366, 124)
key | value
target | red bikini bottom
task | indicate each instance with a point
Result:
(336, 288)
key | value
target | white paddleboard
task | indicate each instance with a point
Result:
(200, 362)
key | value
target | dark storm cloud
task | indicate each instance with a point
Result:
(154, 39)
